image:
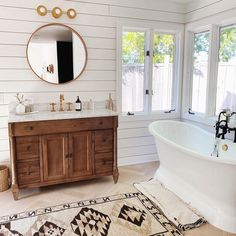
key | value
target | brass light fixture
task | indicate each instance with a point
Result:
(56, 12)
(71, 13)
(42, 10)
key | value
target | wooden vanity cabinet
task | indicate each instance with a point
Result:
(53, 152)
(54, 157)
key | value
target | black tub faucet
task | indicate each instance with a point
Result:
(222, 125)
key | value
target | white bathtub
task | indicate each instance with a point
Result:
(188, 169)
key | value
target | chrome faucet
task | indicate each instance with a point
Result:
(62, 98)
(215, 152)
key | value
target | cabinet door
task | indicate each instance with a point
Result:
(80, 146)
(55, 156)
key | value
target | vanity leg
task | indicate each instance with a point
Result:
(15, 191)
(116, 176)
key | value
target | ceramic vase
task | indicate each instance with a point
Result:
(20, 109)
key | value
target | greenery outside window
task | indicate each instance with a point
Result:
(148, 71)
(200, 71)
(163, 71)
(226, 83)
(211, 80)
(133, 71)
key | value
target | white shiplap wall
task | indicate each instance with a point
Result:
(203, 9)
(96, 22)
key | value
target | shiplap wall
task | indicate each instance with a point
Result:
(96, 22)
(203, 9)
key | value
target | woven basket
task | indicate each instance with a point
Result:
(4, 178)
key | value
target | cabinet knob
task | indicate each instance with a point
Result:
(69, 155)
(101, 123)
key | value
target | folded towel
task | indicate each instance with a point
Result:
(184, 217)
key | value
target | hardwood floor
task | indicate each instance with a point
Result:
(49, 196)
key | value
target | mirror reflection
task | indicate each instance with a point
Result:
(56, 53)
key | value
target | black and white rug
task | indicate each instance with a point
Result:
(130, 214)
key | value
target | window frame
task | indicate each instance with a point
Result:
(174, 91)
(193, 33)
(160, 27)
(210, 116)
(146, 35)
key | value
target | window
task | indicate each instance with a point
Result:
(226, 84)
(163, 68)
(148, 71)
(200, 71)
(212, 80)
(133, 57)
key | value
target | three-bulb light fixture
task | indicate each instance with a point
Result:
(56, 12)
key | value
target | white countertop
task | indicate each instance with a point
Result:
(47, 115)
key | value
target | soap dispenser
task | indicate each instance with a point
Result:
(78, 104)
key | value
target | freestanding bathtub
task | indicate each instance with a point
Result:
(206, 182)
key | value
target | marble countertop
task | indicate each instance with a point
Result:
(47, 115)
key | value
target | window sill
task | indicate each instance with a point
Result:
(149, 116)
(206, 120)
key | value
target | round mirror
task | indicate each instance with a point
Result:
(56, 53)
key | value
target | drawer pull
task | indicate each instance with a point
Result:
(104, 140)
(104, 162)
(101, 123)
(28, 148)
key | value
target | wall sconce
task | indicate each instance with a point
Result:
(56, 12)
(71, 13)
(42, 10)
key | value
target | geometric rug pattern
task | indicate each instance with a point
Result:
(129, 214)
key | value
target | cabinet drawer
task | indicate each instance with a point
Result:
(28, 172)
(27, 147)
(104, 141)
(103, 163)
(62, 126)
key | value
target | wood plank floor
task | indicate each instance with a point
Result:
(49, 196)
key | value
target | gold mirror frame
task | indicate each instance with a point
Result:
(85, 48)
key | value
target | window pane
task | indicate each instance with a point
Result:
(200, 70)
(133, 57)
(163, 63)
(226, 85)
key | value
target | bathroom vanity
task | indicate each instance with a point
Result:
(53, 148)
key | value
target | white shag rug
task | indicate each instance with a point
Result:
(184, 217)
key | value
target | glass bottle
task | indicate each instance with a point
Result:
(78, 104)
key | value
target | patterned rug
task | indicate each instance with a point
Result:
(130, 214)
